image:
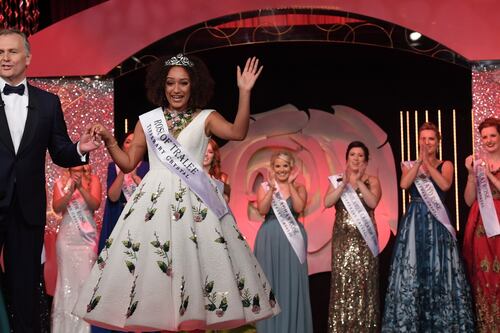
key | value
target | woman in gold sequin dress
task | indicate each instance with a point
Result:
(482, 253)
(354, 295)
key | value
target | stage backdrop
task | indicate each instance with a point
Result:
(318, 139)
(84, 101)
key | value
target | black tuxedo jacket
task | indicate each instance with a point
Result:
(22, 175)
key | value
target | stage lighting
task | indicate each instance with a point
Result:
(414, 36)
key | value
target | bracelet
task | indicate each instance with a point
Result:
(112, 145)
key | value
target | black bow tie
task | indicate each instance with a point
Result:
(8, 89)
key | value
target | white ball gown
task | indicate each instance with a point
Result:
(171, 264)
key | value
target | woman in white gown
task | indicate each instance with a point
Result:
(174, 262)
(77, 195)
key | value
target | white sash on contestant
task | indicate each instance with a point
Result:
(431, 198)
(288, 223)
(219, 185)
(128, 185)
(358, 213)
(80, 216)
(485, 201)
(176, 159)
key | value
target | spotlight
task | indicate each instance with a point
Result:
(137, 60)
(414, 36)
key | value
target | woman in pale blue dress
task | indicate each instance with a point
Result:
(288, 277)
(427, 291)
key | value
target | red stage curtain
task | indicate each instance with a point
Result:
(288, 20)
(60, 9)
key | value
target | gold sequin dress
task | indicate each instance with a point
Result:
(354, 292)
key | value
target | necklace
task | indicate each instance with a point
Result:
(177, 121)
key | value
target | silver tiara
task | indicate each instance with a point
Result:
(179, 60)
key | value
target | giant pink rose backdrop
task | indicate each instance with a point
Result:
(318, 142)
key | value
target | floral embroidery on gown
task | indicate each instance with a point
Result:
(354, 292)
(428, 290)
(482, 259)
(171, 264)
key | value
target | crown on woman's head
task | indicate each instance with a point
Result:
(179, 60)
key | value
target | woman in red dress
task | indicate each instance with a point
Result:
(482, 241)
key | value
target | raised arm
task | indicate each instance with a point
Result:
(115, 182)
(470, 187)
(60, 199)
(297, 193)
(443, 179)
(92, 195)
(493, 179)
(333, 195)
(217, 125)
(409, 175)
(126, 161)
(264, 199)
(371, 195)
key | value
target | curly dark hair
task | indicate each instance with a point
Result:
(202, 84)
(489, 122)
(358, 144)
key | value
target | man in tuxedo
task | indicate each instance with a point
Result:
(31, 122)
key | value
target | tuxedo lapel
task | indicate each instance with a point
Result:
(5, 137)
(31, 120)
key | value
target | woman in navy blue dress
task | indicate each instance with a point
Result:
(427, 291)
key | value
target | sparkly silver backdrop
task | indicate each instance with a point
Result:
(485, 97)
(84, 101)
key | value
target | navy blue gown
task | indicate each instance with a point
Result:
(428, 290)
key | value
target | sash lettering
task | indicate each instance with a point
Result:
(485, 201)
(81, 217)
(431, 198)
(176, 159)
(358, 213)
(128, 185)
(288, 223)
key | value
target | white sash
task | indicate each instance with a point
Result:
(176, 159)
(431, 198)
(80, 216)
(128, 185)
(219, 185)
(358, 213)
(288, 223)
(485, 201)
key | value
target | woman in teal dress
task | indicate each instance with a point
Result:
(280, 262)
(427, 291)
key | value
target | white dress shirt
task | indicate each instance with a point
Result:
(16, 111)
